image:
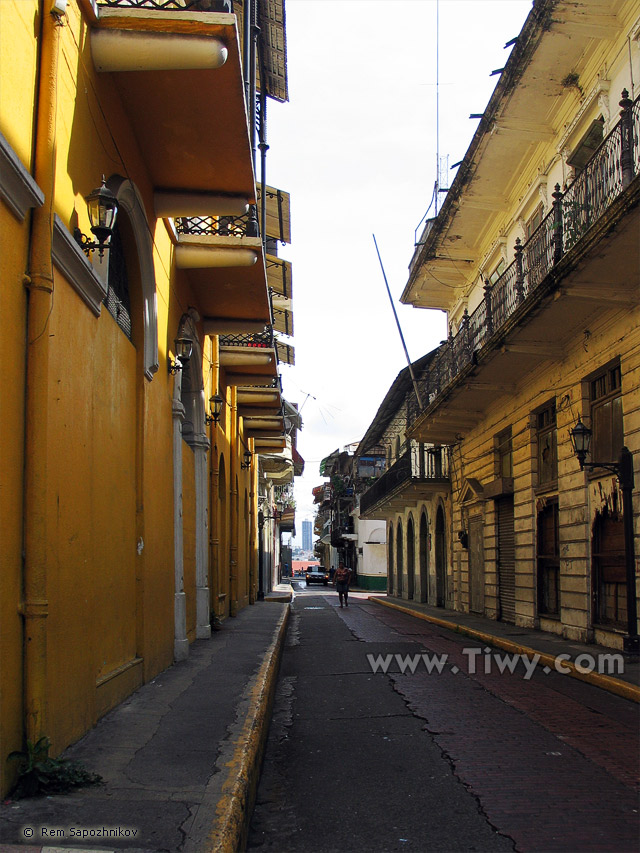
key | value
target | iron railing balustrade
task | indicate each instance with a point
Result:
(259, 340)
(174, 5)
(418, 464)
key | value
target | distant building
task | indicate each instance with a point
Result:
(307, 530)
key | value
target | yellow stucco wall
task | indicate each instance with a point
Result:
(109, 445)
(18, 60)
(12, 353)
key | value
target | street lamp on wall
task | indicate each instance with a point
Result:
(183, 347)
(247, 460)
(580, 437)
(102, 207)
(216, 403)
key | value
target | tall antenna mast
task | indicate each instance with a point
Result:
(437, 103)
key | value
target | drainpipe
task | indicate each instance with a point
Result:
(39, 282)
(233, 509)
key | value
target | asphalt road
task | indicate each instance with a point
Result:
(466, 759)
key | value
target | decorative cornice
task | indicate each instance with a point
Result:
(17, 188)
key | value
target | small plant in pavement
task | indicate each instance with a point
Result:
(38, 773)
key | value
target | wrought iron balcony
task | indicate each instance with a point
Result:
(605, 177)
(406, 479)
(177, 5)
(219, 226)
(255, 340)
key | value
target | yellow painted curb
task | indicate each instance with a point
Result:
(239, 788)
(606, 682)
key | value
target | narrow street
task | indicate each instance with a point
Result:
(450, 761)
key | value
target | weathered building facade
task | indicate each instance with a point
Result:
(144, 372)
(534, 256)
(413, 496)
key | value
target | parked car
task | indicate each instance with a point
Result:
(316, 574)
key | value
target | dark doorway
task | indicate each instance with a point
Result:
(411, 562)
(441, 558)
(399, 560)
(476, 565)
(423, 558)
(506, 558)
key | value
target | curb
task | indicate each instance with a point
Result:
(230, 826)
(606, 682)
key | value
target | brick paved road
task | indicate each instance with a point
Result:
(460, 761)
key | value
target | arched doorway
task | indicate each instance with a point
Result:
(423, 558)
(411, 562)
(390, 564)
(399, 561)
(441, 558)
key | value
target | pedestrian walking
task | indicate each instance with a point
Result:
(332, 572)
(342, 582)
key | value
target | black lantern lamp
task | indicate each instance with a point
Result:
(216, 403)
(102, 207)
(581, 439)
(247, 460)
(184, 347)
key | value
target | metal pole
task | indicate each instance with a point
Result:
(393, 308)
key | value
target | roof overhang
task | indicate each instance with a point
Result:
(179, 77)
(528, 109)
(227, 275)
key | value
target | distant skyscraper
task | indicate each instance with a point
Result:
(306, 535)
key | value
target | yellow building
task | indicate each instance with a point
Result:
(139, 374)
(534, 257)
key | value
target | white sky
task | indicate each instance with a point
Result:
(356, 149)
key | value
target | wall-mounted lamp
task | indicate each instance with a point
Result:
(463, 537)
(102, 207)
(183, 346)
(215, 403)
(247, 460)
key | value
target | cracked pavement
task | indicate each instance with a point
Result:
(451, 762)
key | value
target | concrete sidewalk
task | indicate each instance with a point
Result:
(579, 657)
(180, 758)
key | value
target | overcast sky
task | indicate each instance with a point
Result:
(356, 149)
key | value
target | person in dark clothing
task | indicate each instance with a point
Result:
(342, 581)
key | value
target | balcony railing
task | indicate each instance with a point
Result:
(177, 5)
(219, 226)
(604, 178)
(418, 464)
(257, 340)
